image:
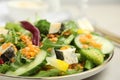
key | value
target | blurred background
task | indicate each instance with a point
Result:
(105, 13)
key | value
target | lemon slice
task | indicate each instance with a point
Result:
(59, 64)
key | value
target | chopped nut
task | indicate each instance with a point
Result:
(54, 39)
(67, 33)
(75, 66)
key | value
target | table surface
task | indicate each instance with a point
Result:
(108, 17)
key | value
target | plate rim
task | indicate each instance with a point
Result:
(66, 76)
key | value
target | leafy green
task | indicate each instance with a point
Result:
(71, 71)
(11, 37)
(89, 64)
(19, 61)
(43, 26)
(14, 26)
(48, 44)
(4, 68)
(65, 40)
(56, 72)
(49, 73)
(14, 38)
(71, 25)
(2, 39)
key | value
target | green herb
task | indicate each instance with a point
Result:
(71, 71)
(4, 68)
(14, 38)
(20, 60)
(48, 44)
(71, 25)
(14, 26)
(43, 26)
(49, 73)
(89, 64)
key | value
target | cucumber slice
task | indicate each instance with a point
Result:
(77, 42)
(107, 46)
(31, 68)
(93, 54)
(69, 39)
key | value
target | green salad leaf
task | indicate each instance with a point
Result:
(49, 73)
(71, 25)
(14, 26)
(43, 26)
(48, 44)
(4, 68)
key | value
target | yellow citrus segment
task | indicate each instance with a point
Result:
(81, 31)
(62, 65)
(59, 64)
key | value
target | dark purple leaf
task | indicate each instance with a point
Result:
(35, 32)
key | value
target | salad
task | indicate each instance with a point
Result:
(44, 49)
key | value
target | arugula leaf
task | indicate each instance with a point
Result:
(14, 38)
(66, 40)
(4, 68)
(49, 73)
(19, 61)
(89, 64)
(48, 44)
(14, 26)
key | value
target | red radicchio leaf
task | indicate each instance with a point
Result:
(1, 61)
(35, 32)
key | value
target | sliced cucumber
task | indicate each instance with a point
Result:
(69, 39)
(77, 41)
(31, 68)
(107, 46)
(93, 54)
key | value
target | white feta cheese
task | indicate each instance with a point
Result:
(85, 24)
(69, 55)
(54, 27)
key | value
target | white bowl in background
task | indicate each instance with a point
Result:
(20, 10)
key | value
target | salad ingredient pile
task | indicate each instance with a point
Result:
(44, 49)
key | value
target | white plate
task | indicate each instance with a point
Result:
(77, 76)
